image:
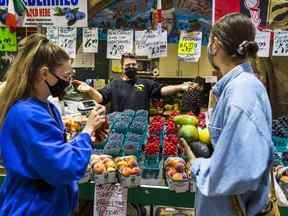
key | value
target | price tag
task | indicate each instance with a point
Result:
(8, 40)
(187, 47)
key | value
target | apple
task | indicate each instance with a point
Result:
(126, 171)
(99, 168)
(180, 167)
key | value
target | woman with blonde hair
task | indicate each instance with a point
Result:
(42, 168)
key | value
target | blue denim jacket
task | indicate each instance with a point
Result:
(240, 130)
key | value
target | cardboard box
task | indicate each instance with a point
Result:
(130, 181)
(178, 186)
(169, 211)
(105, 178)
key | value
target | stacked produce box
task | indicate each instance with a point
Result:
(124, 170)
(128, 133)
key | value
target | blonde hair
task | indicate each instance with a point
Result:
(33, 52)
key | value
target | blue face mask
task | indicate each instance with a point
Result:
(58, 89)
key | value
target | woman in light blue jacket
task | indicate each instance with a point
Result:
(240, 127)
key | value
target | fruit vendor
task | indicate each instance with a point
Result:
(130, 92)
(42, 168)
(236, 177)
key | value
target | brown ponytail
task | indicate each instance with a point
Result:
(236, 32)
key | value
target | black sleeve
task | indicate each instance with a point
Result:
(106, 93)
(154, 89)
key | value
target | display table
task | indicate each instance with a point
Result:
(153, 195)
(150, 195)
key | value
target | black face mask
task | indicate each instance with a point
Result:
(58, 89)
(210, 57)
(131, 72)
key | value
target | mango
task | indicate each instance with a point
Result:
(189, 133)
(204, 136)
(177, 177)
(111, 169)
(186, 120)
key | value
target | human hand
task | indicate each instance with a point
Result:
(99, 136)
(95, 120)
(82, 86)
(187, 150)
(190, 86)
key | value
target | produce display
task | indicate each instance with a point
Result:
(280, 140)
(170, 145)
(128, 133)
(186, 120)
(102, 163)
(175, 168)
(103, 169)
(176, 172)
(152, 146)
(156, 125)
(196, 135)
(127, 166)
(129, 171)
(114, 144)
(136, 144)
(74, 124)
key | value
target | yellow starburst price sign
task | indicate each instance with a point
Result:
(186, 47)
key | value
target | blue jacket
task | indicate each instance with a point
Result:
(42, 169)
(240, 130)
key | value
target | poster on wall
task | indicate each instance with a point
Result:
(189, 46)
(151, 43)
(51, 13)
(177, 15)
(280, 46)
(118, 43)
(110, 200)
(90, 40)
(278, 18)
(115, 14)
(263, 41)
(185, 15)
(8, 41)
(257, 10)
(193, 16)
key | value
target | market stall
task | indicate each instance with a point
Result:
(142, 159)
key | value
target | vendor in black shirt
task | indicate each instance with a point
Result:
(130, 92)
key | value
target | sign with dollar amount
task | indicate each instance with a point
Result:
(186, 47)
(90, 40)
(189, 47)
(118, 43)
(8, 40)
